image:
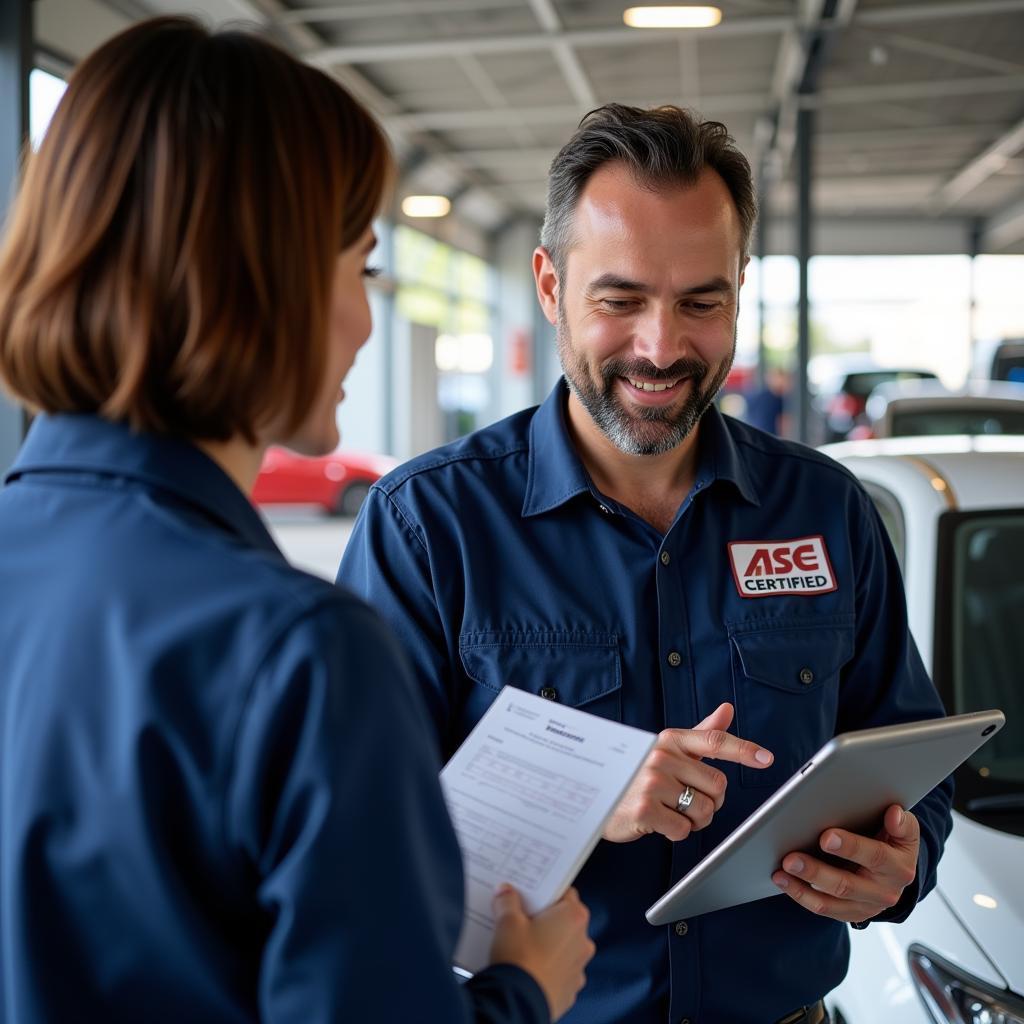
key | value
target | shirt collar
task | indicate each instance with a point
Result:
(720, 459)
(556, 473)
(90, 444)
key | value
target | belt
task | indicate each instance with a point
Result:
(814, 1014)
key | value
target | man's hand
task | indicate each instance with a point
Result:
(885, 866)
(675, 763)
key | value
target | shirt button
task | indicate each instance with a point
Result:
(806, 676)
(549, 693)
(665, 558)
(682, 928)
(685, 1020)
(675, 659)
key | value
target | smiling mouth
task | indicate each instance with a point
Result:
(642, 385)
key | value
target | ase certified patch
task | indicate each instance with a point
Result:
(769, 568)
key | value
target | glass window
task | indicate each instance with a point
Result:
(44, 93)
(449, 290)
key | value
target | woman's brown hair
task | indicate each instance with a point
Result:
(170, 254)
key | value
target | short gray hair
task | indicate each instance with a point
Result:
(663, 146)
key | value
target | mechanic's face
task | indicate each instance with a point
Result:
(646, 313)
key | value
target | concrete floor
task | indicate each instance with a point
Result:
(309, 538)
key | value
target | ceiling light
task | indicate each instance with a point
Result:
(985, 901)
(672, 17)
(426, 206)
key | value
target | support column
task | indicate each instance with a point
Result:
(804, 143)
(977, 233)
(15, 64)
(762, 252)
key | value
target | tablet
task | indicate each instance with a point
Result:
(848, 784)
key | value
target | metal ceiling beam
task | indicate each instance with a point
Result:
(531, 42)
(936, 12)
(565, 56)
(1004, 229)
(990, 161)
(455, 120)
(953, 54)
(914, 90)
(923, 133)
(353, 12)
(458, 120)
(500, 157)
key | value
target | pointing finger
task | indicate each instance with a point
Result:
(720, 718)
(721, 746)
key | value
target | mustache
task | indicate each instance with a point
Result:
(641, 368)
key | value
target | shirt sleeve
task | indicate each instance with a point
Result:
(335, 812)
(386, 563)
(886, 683)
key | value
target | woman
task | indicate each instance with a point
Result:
(216, 800)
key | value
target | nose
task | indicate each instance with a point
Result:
(661, 337)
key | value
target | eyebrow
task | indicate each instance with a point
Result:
(613, 282)
(371, 244)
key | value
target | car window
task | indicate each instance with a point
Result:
(1008, 363)
(985, 591)
(936, 422)
(862, 384)
(892, 517)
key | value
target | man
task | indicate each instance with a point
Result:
(626, 549)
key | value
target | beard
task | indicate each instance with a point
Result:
(645, 431)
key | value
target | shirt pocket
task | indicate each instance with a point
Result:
(578, 669)
(786, 687)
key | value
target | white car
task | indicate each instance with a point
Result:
(954, 507)
(914, 408)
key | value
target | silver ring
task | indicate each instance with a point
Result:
(684, 801)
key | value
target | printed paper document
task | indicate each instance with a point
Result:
(529, 792)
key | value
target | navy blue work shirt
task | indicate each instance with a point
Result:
(497, 560)
(217, 800)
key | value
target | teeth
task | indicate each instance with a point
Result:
(643, 386)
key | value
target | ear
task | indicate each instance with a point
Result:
(547, 283)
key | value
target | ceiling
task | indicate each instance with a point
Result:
(919, 104)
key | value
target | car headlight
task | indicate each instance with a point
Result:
(952, 996)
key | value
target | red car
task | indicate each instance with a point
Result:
(337, 482)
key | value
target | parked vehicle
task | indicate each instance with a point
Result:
(914, 408)
(840, 385)
(1000, 360)
(954, 508)
(338, 482)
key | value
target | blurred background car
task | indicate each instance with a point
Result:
(338, 482)
(915, 408)
(841, 384)
(1000, 360)
(954, 508)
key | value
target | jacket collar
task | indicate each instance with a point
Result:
(75, 443)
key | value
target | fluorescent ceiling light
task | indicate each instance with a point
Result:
(672, 17)
(426, 206)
